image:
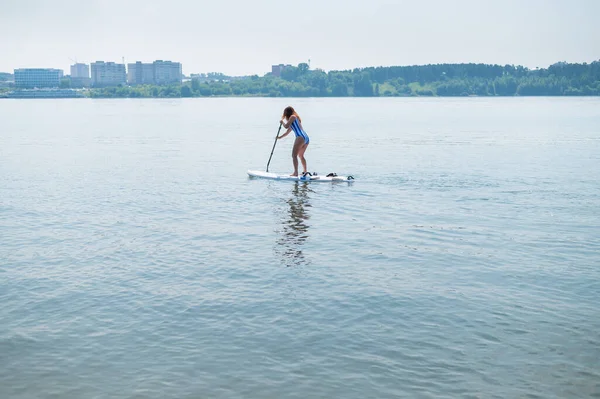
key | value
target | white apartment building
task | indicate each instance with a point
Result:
(80, 75)
(105, 74)
(140, 74)
(166, 72)
(79, 70)
(159, 73)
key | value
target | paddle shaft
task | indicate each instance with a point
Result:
(274, 144)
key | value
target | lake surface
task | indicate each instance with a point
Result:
(138, 260)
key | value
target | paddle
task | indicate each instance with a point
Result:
(275, 143)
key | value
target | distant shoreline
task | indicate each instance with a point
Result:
(295, 97)
(442, 80)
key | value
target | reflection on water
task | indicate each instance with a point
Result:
(294, 226)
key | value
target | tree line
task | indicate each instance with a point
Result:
(560, 79)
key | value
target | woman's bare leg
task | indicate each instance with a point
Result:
(301, 152)
(295, 150)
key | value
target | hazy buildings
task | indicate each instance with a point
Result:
(80, 70)
(277, 69)
(158, 73)
(103, 74)
(80, 75)
(106, 74)
(29, 78)
(140, 74)
(166, 72)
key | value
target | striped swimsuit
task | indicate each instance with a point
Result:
(299, 132)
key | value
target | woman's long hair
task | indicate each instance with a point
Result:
(288, 112)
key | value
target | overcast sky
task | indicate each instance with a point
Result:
(240, 37)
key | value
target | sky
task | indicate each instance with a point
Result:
(239, 37)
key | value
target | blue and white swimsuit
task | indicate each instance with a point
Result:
(299, 132)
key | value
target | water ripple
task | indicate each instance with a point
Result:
(137, 259)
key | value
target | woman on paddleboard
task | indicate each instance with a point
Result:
(293, 122)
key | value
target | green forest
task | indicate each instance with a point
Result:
(560, 79)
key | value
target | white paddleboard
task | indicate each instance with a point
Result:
(315, 178)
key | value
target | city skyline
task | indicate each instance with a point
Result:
(239, 38)
(99, 74)
(271, 69)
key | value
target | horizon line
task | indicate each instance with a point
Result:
(331, 70)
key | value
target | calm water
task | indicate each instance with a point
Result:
(138, 260)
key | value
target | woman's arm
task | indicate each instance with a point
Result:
(289, 122)
(285, 134)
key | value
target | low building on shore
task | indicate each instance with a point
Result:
(44, 93)
(30, 78)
